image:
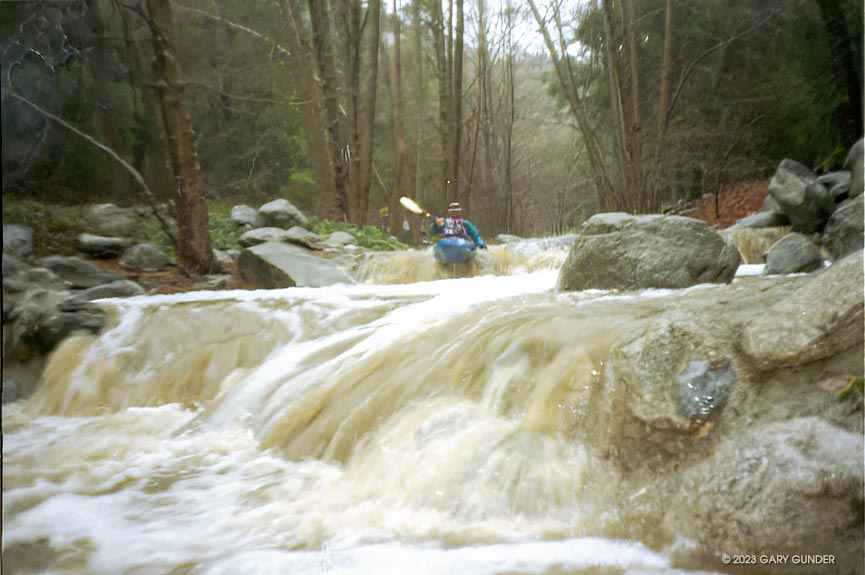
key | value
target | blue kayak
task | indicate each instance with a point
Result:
(454, 250)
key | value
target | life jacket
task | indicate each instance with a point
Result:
(453, 227)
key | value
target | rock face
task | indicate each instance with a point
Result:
(844, 232)
(102, 246)
(791, 254)
(620, 251)
(854, 163)
(820, 320)
(77, 272)
(17, 241)
(110, 220)
(278, 265)
(280, 214)
(243, 215)
(800, 196)
(771, 487)
(143, 258)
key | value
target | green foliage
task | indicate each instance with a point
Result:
(367, 236)
(855, 390)
(224, 234)
(55, 228)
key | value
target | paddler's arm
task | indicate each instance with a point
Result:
(473, 232)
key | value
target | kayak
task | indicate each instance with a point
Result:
(454, 250)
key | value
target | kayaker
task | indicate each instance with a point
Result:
(454, 226)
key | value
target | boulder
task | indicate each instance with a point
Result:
(280, 214)
(17, 241)
(71, 316)
(822, 319)
(243, 215)
(844, 231)
(340, 239)
(762, 219)
(854, 164)
(800, 197)
(223, 259)
(262, 235)
(32, 278)
(102, 246)
(13, 265)
(788, 487)
(278, 265)
(78, 273)
(303, 237)
(791, 254)
(121, 288)
(838, 184)
(111, 221)
(621, 251)
(143, 258)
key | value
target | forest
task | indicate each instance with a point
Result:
(534, 115)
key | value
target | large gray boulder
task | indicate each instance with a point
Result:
(801, 197)
(122, 288)
(13, 265)
(17, 240)
(262, 235)
(838, 184)
(789, 487)
(102, 246)
(854, 163)
(44, 318)
(791, 254)
(340, 239)
(621, 251)
(762, 219)
(243, 215)
(278, 265)
(143, 258)
(280, 214)
(844, 231)
(303, 237)
(820, 320)
(111, 221)
(78, 273)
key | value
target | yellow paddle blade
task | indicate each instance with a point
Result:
(410, 205)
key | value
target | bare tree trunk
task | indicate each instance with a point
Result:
(509, 127)
(366, 114)
(443, 71)
(193, 251)
(330, 104)
(663, 102)
(106, 121)
(634, 168)
(398, 128)
(419, 90)
(320, 158)
(455, 116)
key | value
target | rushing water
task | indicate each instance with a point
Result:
(425, 428)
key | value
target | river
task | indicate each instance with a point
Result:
(432, 427)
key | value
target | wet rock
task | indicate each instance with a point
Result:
(854, 163)
(121, 288)
(17, 241)
(33, 278)
(78, 273)
(621, 251)
(791, 487)
(243, 215)
(339, 239)
(111, 221)
(762, 219)
(844, 231)
(303, 237)
(71, 316)
(13, 265)
(810, 325)
(262, 235)
(280, 214)
(102, 246)
(143, 258)
(278, 265)
(223, 259)
(800, 197)
(791, 254)
(701, 388)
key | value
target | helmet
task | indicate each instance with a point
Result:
(454, 207)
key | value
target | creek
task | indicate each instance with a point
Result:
(395, 426)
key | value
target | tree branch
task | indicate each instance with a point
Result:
(234, 25)
(136, 175)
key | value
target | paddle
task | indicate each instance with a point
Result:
(412, 206)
